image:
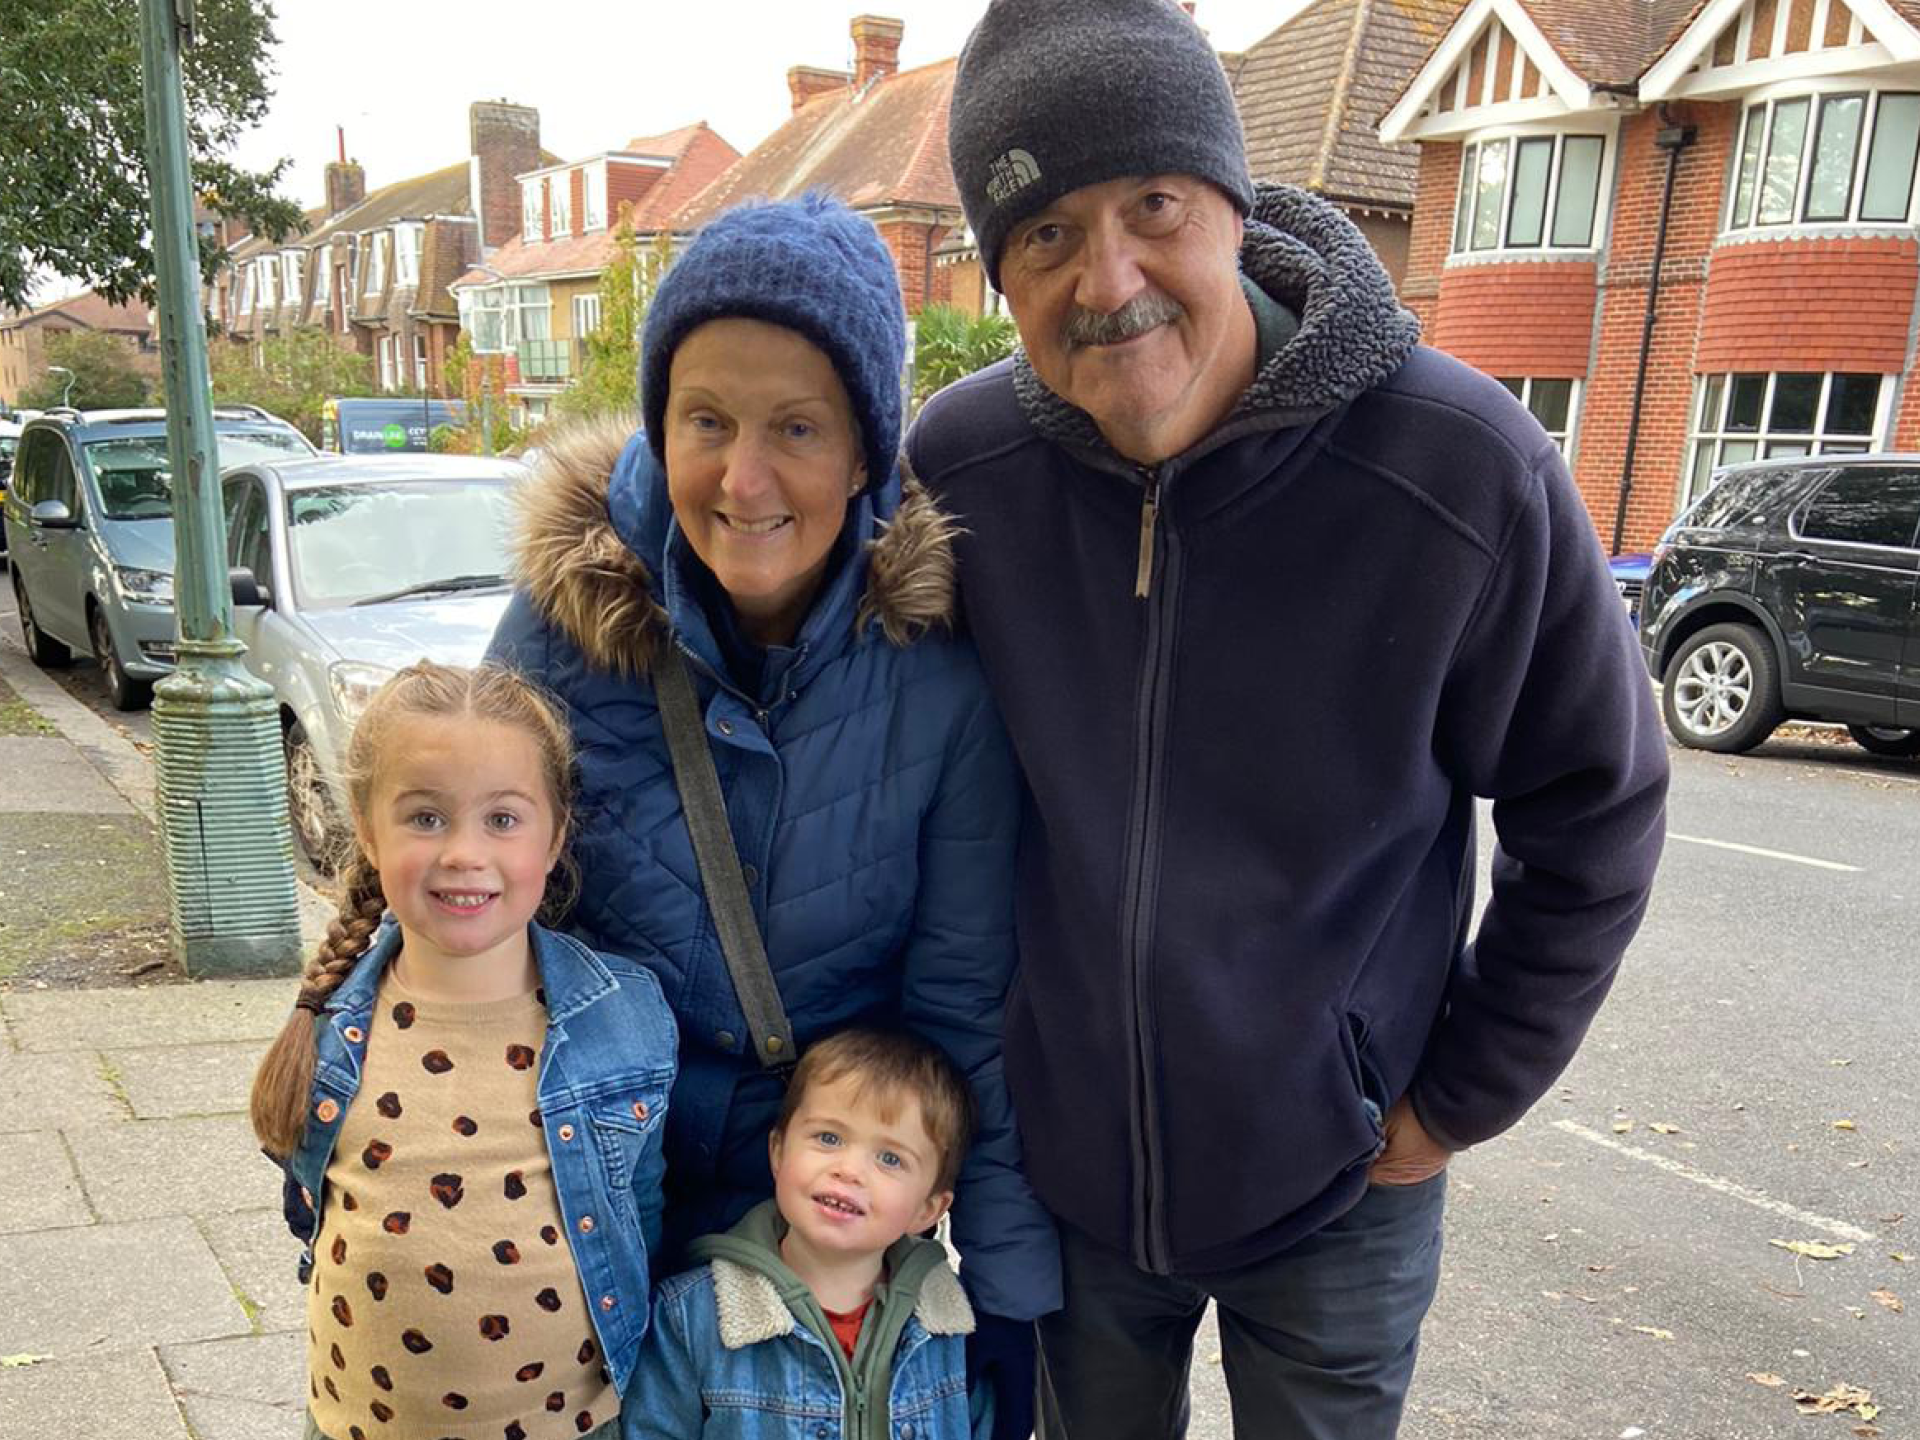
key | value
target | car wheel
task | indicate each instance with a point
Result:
(1720, 691)
(45, 650)
(310, 803)
(1886, 740)
(126, 692)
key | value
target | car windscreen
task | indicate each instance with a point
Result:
(350, 544)
(7, 444)
(135, 477)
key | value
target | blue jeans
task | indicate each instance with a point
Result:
(1318, 1342)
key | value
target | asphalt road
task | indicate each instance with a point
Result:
(1605, 1278)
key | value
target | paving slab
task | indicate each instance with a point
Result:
(244, 1389)
(108, 1397)
(55, 1092)
(102, 1288)
(259, 1254)
(163, 1082)
(72, 884)
(207, 1011)
(202, 1165)
(38, 1189)
(46, 775)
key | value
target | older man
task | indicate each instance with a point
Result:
(1268, 594)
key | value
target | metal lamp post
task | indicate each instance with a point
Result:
(66, 395)
(221, 785)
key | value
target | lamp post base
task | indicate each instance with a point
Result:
(221, 784)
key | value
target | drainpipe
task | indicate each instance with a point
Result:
(1673, 139)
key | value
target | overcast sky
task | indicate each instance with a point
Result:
(398, 75)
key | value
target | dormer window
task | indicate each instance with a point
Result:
(406, 253)
(1529, 192)
(532, 218)
(293, 268)
(376, 267)
(560, 203)
(593, 197)
(1833, 159)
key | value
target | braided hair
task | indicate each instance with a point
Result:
(284, 1082)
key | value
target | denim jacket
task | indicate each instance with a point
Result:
(608, 1060)
(740, 1350)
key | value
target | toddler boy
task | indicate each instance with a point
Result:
(822, 1307)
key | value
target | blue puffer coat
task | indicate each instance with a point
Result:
(874, 803)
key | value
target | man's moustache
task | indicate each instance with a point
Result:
(1136, 317)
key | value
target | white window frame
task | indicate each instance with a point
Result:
(242, 290)
(586, 314)
(407, 241)
(419, 361)
(385, 354)
(593, 197)
(293, 277)
(1563, 437)
(532, 217)
(1460, 241)
(1708, 436)
(560, 203)
(478, 305)
(375, 271)
(519, 305)
(1767, 102)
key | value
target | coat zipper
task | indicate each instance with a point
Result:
(1143, 865)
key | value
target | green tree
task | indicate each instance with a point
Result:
(950, 344)
(106, 374)
(73, 138)
(482, 380)
(609, 377)
(293, 375)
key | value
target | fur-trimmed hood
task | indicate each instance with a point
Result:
(595, 529)
(1353, 332)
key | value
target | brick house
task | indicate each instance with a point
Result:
(376, 270)
(24, 335)
(1684, 231)
(1310, 94)
(877, 138)
(536, 298)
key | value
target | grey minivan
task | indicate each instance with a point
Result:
(346, 568)
(88, 515)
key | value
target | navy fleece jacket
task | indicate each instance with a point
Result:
(1246, 875)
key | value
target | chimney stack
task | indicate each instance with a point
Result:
(876, 48)
(806, 81)
(505, 145)
(346, 185)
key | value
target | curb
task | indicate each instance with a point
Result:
(121, 764)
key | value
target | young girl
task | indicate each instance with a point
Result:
(468, 1105)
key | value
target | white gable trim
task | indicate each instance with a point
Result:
(1402, 122)
(1878, 36)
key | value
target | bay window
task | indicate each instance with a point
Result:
(1529, 192)
(1843, 158)
(1759, 416)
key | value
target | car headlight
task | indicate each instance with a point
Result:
(146, 587)
(353, 684)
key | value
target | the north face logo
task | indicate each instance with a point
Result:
(1010, 174)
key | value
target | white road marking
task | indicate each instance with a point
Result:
(1767, 854)
(1756, 1198)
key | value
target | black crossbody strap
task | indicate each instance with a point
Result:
(706, 811)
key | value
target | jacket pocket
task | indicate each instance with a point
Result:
(1369, 1090)
(624, 1126)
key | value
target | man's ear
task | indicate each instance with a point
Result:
(937, 1205)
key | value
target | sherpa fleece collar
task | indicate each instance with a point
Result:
(595, 584)
(1353, 332)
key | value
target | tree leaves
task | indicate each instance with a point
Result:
(73, 145)
(1814, 1249)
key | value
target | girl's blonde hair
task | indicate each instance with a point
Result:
(283, 1083)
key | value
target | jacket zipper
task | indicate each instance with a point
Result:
(1143, 859)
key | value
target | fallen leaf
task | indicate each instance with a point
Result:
(1814, 1249)
(1622, 1127)
(1654, 1330)
(1867, 1432)
(1892, 1301)
(1660, 1127)
(1845, 1125)
(1900, 1257)
(1839, 1064)
(1838, 1400)
(1856, 1312)
(1766, 1378)
(16, 1362)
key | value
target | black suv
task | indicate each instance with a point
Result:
(1789, 590)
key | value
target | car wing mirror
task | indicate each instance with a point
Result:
(53, 515)
(247, 589)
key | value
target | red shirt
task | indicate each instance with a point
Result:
(846, 1327)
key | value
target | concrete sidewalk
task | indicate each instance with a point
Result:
(147, 1281)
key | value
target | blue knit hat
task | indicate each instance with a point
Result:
(811, 265)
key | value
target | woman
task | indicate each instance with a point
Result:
(760, 526)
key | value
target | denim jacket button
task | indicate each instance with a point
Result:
(354, 1034)
(586, 1224)
(606, 1302)
(565, 1132)
(640, 1110)
(906, 1431)
(326, 1112)
(726, 727)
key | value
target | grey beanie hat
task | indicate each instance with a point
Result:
(1052, 95)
